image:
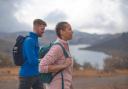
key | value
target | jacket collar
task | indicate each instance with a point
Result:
(62, 41)
(33, 35)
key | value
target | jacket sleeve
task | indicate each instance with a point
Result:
(30, 54)
(54, 53)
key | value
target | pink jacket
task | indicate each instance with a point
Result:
(55, 56)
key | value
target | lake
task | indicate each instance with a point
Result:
(94, 57)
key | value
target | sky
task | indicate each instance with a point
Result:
(91, 16)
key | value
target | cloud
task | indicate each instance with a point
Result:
(124, 10)
(101, 23)
(55, 16)
(93, 16)
(8, 20)
(109, 19)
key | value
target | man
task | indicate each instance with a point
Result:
(29, 74)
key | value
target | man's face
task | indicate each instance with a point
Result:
(39, 29)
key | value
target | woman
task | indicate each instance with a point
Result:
(55, 60)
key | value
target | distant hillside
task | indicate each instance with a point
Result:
(91, 39)
(50, 35)
(5, 46)
(5, 53)
(7, 40)
(115, 45)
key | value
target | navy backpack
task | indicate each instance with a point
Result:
(17, 51)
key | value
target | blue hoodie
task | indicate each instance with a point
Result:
(30, 53)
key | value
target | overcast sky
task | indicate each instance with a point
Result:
(92, 16)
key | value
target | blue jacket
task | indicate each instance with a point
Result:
(30, 53)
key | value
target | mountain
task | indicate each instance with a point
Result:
(50, 35)
(5, 53)
(5, 46)
(7, 40)
(118, 45)
(91, 39)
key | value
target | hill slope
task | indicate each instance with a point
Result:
(115, 45)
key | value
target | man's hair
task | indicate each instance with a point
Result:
(60, 26)
(39, 22)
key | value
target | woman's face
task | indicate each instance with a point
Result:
(67, 33)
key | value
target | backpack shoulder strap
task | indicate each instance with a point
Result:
(65, 54)
(64, 50)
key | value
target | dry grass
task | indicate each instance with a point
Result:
(12, 73)
(9, 70)
(7, 73)
(122, 72)
(94, 73)
(83, 79)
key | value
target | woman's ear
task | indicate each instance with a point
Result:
(61, 33)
